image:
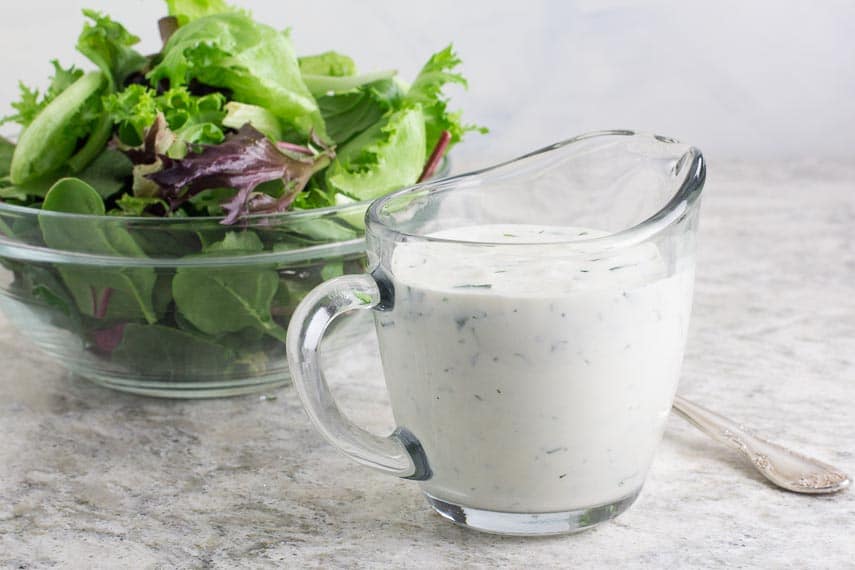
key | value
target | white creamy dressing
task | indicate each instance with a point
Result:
(537, 378)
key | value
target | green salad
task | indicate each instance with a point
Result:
(226, 120)
(227, 125)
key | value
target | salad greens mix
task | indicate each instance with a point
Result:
(226, 121)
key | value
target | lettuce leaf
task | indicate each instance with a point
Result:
(375, 123)
(243, 161)
(108, 45)
(254, 61)
(326, 84)
(193, 119)
(29, 105)
(50, 141)
(188, 10)
(349, 113)
(313, 196)
(328, 63)
(427, 92)
(7, 148)
(240, 114)
(133, 111)
(129, 205)
(388, 156)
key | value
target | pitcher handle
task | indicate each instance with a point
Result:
(400, 453)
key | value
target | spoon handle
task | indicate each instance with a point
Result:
(783, 467)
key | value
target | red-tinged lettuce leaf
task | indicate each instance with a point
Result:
(106, 340)
(243, 161)
(157, 141)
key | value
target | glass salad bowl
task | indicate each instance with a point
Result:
(172, 307)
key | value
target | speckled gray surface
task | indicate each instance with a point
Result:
(94, 478)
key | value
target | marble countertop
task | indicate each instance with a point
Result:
(95, 478)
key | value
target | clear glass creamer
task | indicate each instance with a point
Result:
(531, 319)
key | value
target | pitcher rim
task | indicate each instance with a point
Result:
(674, 210)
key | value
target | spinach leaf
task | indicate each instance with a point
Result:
(47, 298)
(167, 352)
(236, 242)
(121, 293)
(108, 173)
(45, 286)
(222, 300)
(74, 196)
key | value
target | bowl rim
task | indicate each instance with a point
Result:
(179, 220)
(245, 221)
(26, 252)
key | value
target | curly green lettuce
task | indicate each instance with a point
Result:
(385, 157)
(427, 91)
(31, 103)
(193, 119)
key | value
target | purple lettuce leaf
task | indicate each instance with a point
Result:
(242, 161)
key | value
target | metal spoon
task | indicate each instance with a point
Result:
(783, 467)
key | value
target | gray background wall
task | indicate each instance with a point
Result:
(740, 79)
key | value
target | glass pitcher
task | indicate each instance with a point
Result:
(531, 320)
